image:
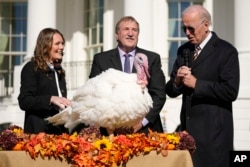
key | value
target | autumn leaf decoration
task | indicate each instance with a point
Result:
(80, 151)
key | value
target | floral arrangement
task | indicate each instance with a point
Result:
(89, 148)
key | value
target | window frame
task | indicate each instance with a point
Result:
(93, 26)
(13, 23)
(178, 36)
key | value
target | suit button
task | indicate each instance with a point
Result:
(188, 117)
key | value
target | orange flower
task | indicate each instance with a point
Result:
(18, 146)
(101, 151)
(171, 146)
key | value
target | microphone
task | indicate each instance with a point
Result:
(185, 54)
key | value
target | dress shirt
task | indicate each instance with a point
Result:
(131, 58)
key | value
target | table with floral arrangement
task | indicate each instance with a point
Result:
(89, 148)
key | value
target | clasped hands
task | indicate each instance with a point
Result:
(185, 77)
(61, 102)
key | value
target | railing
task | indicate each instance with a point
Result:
(76, 73)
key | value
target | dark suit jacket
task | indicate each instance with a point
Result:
(206, 111)
(111, 59)
(37, 87)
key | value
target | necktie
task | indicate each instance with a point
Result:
(196, 52)
(127, 63)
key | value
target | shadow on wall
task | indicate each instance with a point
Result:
(4, 126)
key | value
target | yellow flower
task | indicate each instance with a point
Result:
(73, 136)
(147, 149)
(173, 138)
(103, 144)
(18, 131)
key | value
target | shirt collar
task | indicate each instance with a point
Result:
(51, 66)
(121, 53)
(205, 41)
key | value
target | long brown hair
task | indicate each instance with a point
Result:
(43, 47)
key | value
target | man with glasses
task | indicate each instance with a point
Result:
(208, 83)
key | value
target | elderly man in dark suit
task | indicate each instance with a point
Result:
(127, 32)
(209, 84)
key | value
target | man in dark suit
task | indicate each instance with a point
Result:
(208, 84)
(127, 32)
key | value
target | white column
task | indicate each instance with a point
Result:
(242, 40)
(41, 14)
(160, 31)
(141, 10)
(109, 25)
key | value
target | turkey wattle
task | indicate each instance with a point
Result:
(111, 100)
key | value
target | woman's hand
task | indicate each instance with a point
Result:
(61, 102)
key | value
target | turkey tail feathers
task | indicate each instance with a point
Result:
(60, 118)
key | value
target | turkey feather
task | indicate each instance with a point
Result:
(112, 99)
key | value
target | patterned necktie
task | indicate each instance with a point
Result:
(127, 63)
(196, 52)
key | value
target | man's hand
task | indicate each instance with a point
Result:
(137, 127)
(189, 80)
(185, 77)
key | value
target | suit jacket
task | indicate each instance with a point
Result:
(206, 111)
(156, 84)
(36, 89)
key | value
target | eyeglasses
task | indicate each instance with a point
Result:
(190, 28)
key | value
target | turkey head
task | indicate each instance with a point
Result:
(141, 66)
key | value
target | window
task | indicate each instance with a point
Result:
(176, 36)
(13, 31)
(93, 26)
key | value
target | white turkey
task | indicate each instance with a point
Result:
(111, 100)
